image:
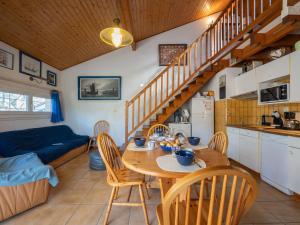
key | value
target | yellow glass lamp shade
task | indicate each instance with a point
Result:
(116, 37)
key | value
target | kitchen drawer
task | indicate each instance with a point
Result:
(276, 138)
(249, 133)
(233, 130)
(294, 142)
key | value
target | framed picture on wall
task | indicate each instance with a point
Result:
(29, 65)
(51, 78)
(167, 52)
(6, 59)
(99, 88)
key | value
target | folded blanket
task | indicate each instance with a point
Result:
(25, 168)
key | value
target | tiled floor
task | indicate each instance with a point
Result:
(82, 195)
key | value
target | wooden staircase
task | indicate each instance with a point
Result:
(192, 69)
(185, 94)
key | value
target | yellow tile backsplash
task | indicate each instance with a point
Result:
(246, 112)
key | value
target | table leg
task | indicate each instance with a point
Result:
(165, 185)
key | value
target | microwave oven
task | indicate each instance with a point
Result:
(277, 93)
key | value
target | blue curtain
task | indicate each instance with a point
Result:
(56, 116)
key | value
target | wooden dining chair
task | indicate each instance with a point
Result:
(219, 142)
(119, 176)
(101, 126)
(157, 127)
(227, 203)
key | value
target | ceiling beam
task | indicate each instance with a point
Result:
(128, 20)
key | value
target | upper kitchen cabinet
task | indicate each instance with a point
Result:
(223, 83)
(294, 76)
(273, 70)
(245, 83)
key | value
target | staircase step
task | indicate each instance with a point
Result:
(153, 122)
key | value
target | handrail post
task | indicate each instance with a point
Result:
(126, 122)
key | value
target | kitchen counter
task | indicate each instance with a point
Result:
(268, 129)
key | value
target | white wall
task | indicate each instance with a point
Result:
(13, 81)
(135, 67)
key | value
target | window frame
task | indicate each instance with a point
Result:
(29, 113)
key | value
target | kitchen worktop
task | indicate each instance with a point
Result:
(268, 129)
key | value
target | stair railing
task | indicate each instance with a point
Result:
(238, 18)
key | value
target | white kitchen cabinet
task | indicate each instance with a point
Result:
(294, 76)
(233, 143)
(249, 151)
(275, 161)
(294, 164)
(231, 74)
(245, 83)
(273, 70)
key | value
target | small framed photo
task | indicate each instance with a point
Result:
(99, 88)
(6, 59)
(51, 78)
(167, 52)
(29, 65)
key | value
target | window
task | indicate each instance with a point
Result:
(41, 104)
(13, 102)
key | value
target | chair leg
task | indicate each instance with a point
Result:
(109, 205)
(147, 193)
(116, 193)
(89, 145)
(129, 194)
(143, 204)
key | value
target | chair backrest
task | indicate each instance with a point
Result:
(232, 193)
(102, 126)
(219, 142)
(157, 128)
(110, 155)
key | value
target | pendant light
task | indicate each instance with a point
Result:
(116, 36)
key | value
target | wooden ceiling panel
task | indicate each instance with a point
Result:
(64, 33)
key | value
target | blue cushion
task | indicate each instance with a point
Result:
(49, 143)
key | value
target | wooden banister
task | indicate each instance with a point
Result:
(238, 18)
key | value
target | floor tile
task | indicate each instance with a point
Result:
(87, 215)
(82, 195)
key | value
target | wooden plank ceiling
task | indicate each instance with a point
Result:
(64, 33)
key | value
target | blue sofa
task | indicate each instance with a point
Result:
(49, 143)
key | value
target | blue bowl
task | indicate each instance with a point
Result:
(139, 141)
(166, 148)
(185, 157)
(194, 140)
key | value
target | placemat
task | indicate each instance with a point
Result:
(195, 147)
(169, 163)
(132, 147)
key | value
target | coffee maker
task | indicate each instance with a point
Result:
(277, 120)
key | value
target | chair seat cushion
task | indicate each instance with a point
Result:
(96, 162)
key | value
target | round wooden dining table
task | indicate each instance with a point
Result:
(144, 162)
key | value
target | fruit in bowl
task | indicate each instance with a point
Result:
(139, 141)
(185, 157)
(167, 146)
(194, 140)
